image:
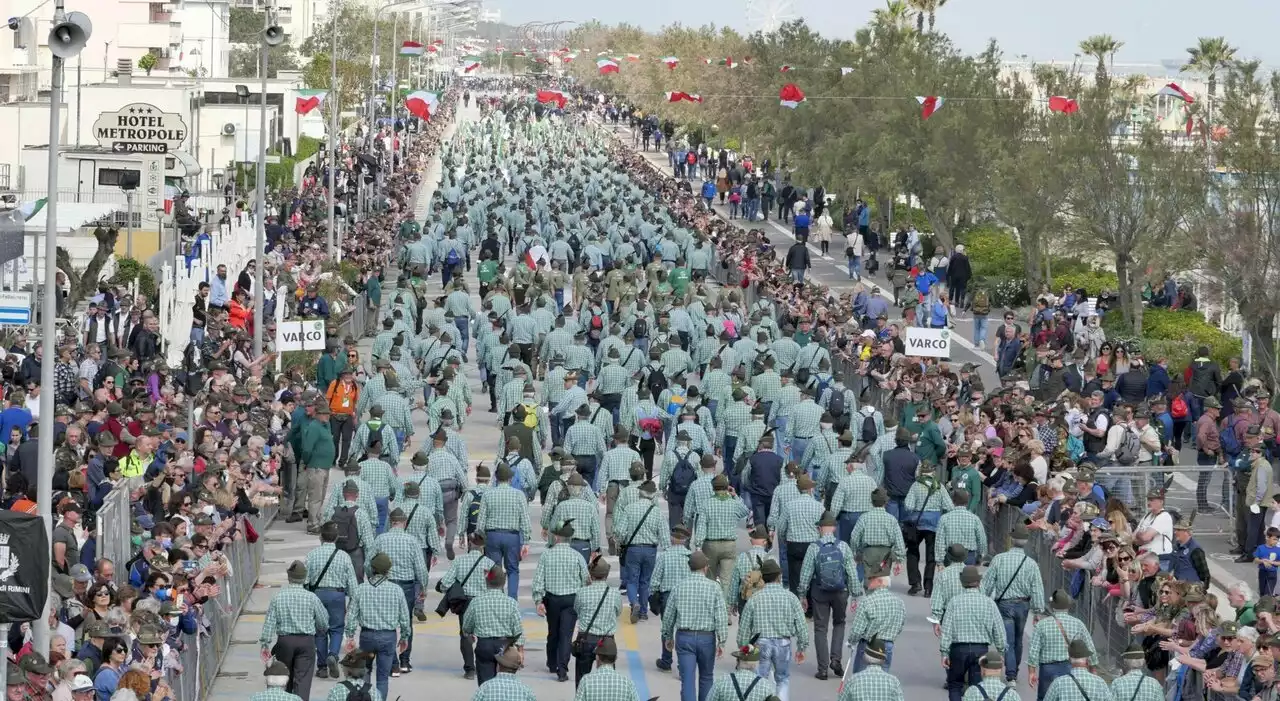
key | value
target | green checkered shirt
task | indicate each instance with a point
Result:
(616, 464)
(783, 495)
(928, 497)
(274, 694)
(799, 521)
(390, 448)
(406, 556)
(364, 501)
(854, 492)
(504, 687)
(734, 417)
(749, 436)
(1137, 686)
(1014, 575)
(972, 617)
(364, 525)
(945, 586)
(675, 360)
(377, 474)
(397, 412)
(372, 391)
(600, 594)
(378, 604)
(561, 571)
(881, 614)
(613, 379)
(653, 530)
(493, 614)
(717, 385)
(422, 524)
(583, 438)
(556, 341)
(428, 493)
(805, 421)
(586, 519)
(461, 569)
(723, 688)
(554, 498)
(293, 611)
(699, 491)
(784, 402)
(874, 684)
(696, 604)
(878, 527)
(627, 496)
(995, 688)
(341, 573)
(773, 612)
(786, 350)
(671, 568)
(444, 466)
(960, 526)
(604, 683)
(744, 563)
(816, 453)
(767, 385)
(553, 386)
(579, 358)
(719, 519)
(1049, 640)
(850, 565)
(1095, 689)
(504, 508)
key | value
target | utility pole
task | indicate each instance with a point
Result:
(335, 104)
(272, 35)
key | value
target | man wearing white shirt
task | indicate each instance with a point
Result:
(1154, 533)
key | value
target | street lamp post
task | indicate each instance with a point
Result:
(271, 36)
(334, 106)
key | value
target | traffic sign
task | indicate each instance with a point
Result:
(15, 309)
(138, 125)
(138, 147)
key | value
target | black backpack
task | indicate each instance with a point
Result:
(473, 512)
(683, 476)
(348, 532)
(656, 382)
(576, 244)
(358, 693)
(835, 405)
(640, 329)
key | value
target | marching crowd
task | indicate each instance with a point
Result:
(656, 354)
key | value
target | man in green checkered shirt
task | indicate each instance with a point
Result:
(771, 618)
(747, 681)
(1082, 684)
(715, 531)
(628, 494)
(494, 620)
(585, 442)
(1047, 654)
(717, 386)
(429, 492)
(804, 423)
(828, 602)
(734, 417)
(504, 521)
(408, 568)
(695, 625)
(381, 481)
(873, 682)
(333, 578)
(560, 573)
(852, 494)
(959, 525)
(877, 538)
(582, 509)
(365, 499)
(294, 618)
(700, 491)
(378, 609)
(797, 527)
(1013, 581)
(452, 477)
(558, 490)
(277, 677)
(643, 529)
(880, 615)
(505, 686)
(605, 682)
(470, 569)
(831, 466)
(555, 343)
(972, 625)
(672, 567)
(597, 606)
(947, 584)
(615, 470)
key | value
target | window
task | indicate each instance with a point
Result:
(121, 219)
(114, 177)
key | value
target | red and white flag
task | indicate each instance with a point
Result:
(309, 101)
(633, 57)
(1174, 90)
(678, 96)
(411, 48)
(929, 104)
(790, 96)
(422, 104)
(547, 96)
(786, 68)
(1065, 105)
(671, 62)
(607, 65)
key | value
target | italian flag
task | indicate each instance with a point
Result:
(470, 64)
(790, 96)
(671, 62)
(546, 96)
(607, 65)
(728, 62)
(568, 58)
(633, 57)
(309, 100)
(422, 104)
(411, 48)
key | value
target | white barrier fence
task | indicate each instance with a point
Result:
(232, 246)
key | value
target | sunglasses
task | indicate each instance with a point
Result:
(1125, 559)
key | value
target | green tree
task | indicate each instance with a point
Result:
(245, 26)
(1102, 47)
(148, 62)
(925, 9)
(895, 14)
(246, 59)
(1210, 56)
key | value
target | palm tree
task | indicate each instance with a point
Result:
(1211, 55)
(925, 8)
(894, 15)
(1102, 47)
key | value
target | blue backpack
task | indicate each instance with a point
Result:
(452, 258)
(1229, 440)
(683, 476)
(829, 574)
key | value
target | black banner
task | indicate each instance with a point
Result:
(24, 567)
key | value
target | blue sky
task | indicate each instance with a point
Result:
(1152, 30)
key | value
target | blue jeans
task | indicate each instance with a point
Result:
(797, 275)
(383, 504)
(464, 334)
(860, 660)
(798, 447)
(780, 428)
(330, 643)
(855, 267)
(410, 589)
(979, 330)
(1048, 672)
(896, 508)
(504, 547)
(782, 557)
(1014, 615)
(637, 574)
(383, 644)
(696, 657)
(845, 523)
(775, 656)
(560, 301)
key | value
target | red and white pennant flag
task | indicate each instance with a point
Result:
(678, 96)
(929, 104)
(607, 65)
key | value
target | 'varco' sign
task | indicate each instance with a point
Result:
(300, 335)
(928, 343)
(140, 128)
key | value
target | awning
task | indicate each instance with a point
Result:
(73, 215)
(188, 163)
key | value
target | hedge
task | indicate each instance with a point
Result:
(1175, 335)
(996, 259)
